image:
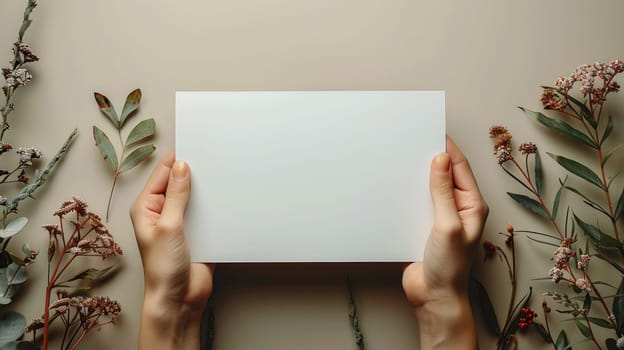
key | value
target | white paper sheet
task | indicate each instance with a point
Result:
(309, 176)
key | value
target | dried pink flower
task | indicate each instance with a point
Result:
(551, 100)
(583, 284)
(527, 148)
(503, 154)
(497, 130)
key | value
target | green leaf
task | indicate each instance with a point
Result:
(578, 169)
(12, 326)
(555, 209)
(141, 131)
(16, 274)
(90, 274)
(132, 104)
(516, 312)
(543, 332)
(107, 108)
(607, 131)
(136, 157)
(600, 322)
(13, 227)
(611, 153)
(612, 263)
(561, 127)
(530, 204)
(618, 307)
(480, 297)
(585, 112)
(619, 209)
(26, 249)
(562, 341)
(600, 239)
(582, 328)
(611, 344)
(106, 148)
(587, 303)
(588, 201)
(539, 173)
(25, 345)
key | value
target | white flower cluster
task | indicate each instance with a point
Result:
(18, 77)
(27, 154)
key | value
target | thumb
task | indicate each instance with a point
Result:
(178, 190)
(442, 187)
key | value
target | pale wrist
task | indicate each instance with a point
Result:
(447, 323)
(167, 325)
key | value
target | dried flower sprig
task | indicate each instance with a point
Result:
(519, 316)
(18, 74)
(354, 318)
(581, 121)
(141, 132)
(78, 234)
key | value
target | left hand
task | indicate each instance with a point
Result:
(176, 290)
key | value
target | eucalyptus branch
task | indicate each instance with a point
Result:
(41, 178)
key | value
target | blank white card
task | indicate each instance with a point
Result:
(309, 176)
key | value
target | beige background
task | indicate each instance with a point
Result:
(489, 56)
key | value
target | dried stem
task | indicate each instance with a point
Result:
(17, 64)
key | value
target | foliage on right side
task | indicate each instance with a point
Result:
(581, 244)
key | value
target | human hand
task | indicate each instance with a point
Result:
(176, 290)
(437, 288)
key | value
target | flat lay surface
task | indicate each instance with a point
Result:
(488, 56)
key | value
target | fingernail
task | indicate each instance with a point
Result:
(179, 170)
(442, 161)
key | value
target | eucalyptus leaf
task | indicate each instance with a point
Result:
(136, 157)
(600, 239)
(578, 169)
(618, 307)
(141, 131)
(4, 287)
(107, 108)
(16, 274)
(582, 328)
(561, 127)
(539, 173)
(13, 227)
(530, 204)
(106, 148)
(26, 249)
(10, 345)
(480, 297)
(132, 104)
(12, 326)
(555, 209)
(562, 341)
